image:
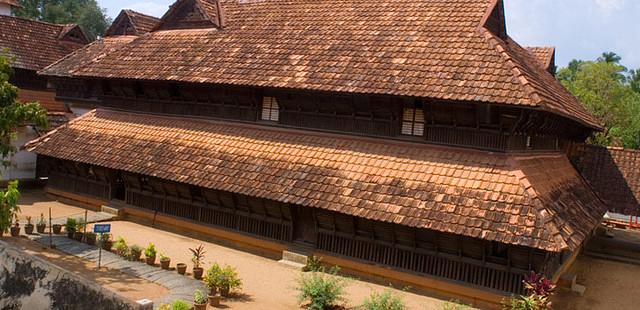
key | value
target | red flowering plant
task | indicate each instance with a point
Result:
(539, 290)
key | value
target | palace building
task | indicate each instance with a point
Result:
(412, 140)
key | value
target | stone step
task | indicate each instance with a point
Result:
(297, 257)
(293, 265)
(111, 210)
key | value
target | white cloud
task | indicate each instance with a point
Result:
(149, 8)
(609, 6)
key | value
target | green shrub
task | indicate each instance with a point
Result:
(121, 247)
(80, 224)
(150, 251)
(314, 263)
(212, 276)
(71, 225)
(180, 304)
(199, 298)
(386, 300)
(229, 279)
(321, 290)
(134, 252)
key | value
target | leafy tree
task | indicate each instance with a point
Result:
(634, 80)
(87, 13)
(605, 88)
(13, 114)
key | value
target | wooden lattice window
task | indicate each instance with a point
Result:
(270, 109)
(413, 121)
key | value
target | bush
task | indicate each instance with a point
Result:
(386, 300)
(539, 290)
(150, 251)
(321, 290)
(212, 276)
(199, 298)
(454, 305)
(314, 263)
(134, 252)
(71, 225)
(229, 279)
(121, 247)
(177, 304)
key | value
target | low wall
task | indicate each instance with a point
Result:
(28, 282)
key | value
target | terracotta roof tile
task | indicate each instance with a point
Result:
(13, 3)
(544, 55)
(34, 44)
(130, 22)
(431, 49)
(337, 173)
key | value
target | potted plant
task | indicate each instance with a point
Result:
(8, 206)
(150, 254)
(135, 252)
(90, 238)
(198, 256)
(41, 225)
(181, 268)
(199, 300)
(211, 279)
(28, 228)
(79, 233)
(164, 262)
(228, 280)
(15, 229)
(105, 242)
(70, 227)
(120, 247)
(57, 228)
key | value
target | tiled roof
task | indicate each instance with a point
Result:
(14, 3)
(544, 55)
(432, 49)
(614, 174)
(34, 44)
(537, 201)
(140, 23)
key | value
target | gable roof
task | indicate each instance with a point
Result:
(130, 22)
(35, 44)
(193, 14)
(537, 201)
(544, 55)
(436, 49)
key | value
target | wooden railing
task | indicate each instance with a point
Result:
(256, 224)
(80, 185)
(425, 262)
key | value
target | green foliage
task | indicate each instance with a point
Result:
(386, 300)
(611, 94)
(454, 305)
(87, 13)
(71, 225)
(198, 256)
(80, 224)
(222, 277)
(121, 246)
(163, 257)
(150, 251)
(134, 252)
(321, 290)
(199, 298)
(521, 303)
(212, 276)
(8, 205)
(314, 263)
(41, 221)
(180, 304)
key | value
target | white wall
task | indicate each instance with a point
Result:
(5, 9)
(23, 163)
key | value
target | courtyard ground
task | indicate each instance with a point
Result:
(269, 285)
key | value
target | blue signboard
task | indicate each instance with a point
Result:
(101, 228)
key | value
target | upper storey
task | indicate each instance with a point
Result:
(424, 52)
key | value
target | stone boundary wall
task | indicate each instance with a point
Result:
(29, 282)
(613, 173)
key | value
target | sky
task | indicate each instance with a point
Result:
(579, 29)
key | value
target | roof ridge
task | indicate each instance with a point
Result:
(34, 21)
(75, 52)
(139, 13)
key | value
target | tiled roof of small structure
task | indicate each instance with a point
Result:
(430, 49)
(544, 55)
(537, 201)
(13, 3)
(34, 44)
(141, 23)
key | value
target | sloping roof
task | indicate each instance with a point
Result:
(614, 174)
(35, 44)
(13, 3)
(536, 201)
(130, 22)
(544, 55)
(432, 49)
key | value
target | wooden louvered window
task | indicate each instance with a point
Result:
(413, 121)
(270, 109)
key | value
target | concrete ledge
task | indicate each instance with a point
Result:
(91, 203)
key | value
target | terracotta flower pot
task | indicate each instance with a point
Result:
(107, 245)
(150, 260)
(197, 273)
(224, 291)
(199, 306)
(40, 228)
(57, 228)
(90, 239)
(28, 229)
(214, 301)
(182, 268)
(164, 264)
(15, 231)
(78, 236)
(213, 291)
(70, 234)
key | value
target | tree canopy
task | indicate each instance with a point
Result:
(611, 92)
(13, 114)
(87, 13)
